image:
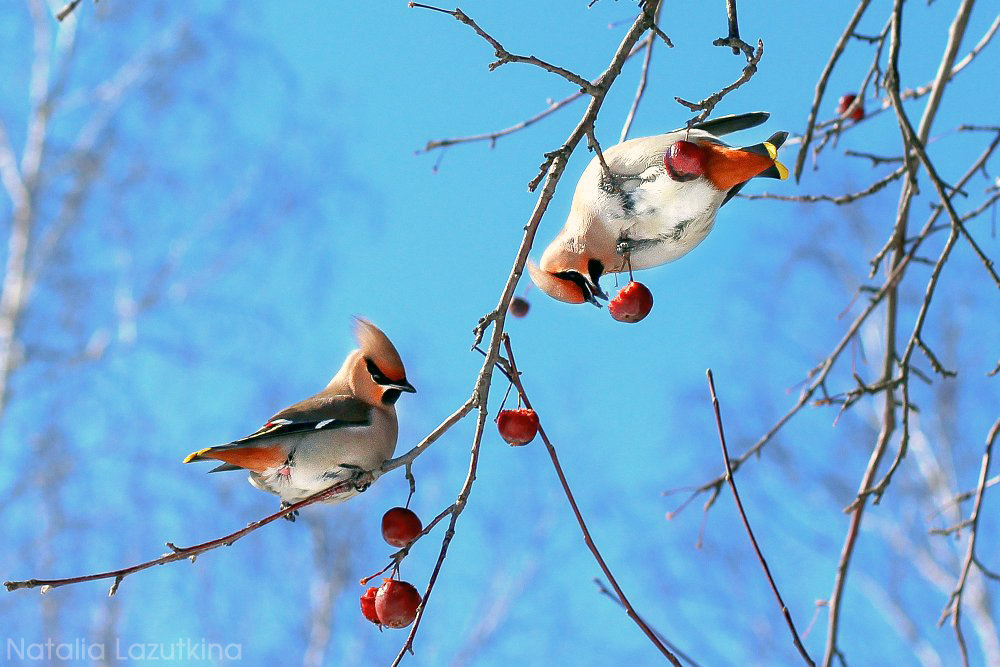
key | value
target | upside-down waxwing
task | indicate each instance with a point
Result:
(656, 201)
(342, 433)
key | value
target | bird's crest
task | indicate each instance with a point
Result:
(376, 346)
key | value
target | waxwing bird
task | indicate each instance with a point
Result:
(340, 434)
(654, 203)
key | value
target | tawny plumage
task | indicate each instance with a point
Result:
(341, 433)
(656, 202)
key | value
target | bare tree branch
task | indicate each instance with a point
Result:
(180, 553)
(746, 524)
(954, 606)
(838, 49)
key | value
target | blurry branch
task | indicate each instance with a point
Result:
(954, 606)
(180, 553)
(330, 565)
(29, 246)
(901, 249)
(818, 374)
(746, 524)
(68, 9)
(834, 126)
(966, 495)
(20, 179)
(912, 141)
(495, 608)
(900, 619)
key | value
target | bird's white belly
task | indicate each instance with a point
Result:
(670, 224)
(326, 457)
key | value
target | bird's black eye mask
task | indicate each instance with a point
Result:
(394, 387)
(590, 288)
(596, 269)
(378, 376)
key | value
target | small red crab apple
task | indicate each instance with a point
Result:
(519, 306)
(396, 603)
(517, 427)
(368, 605)
(632, 304)
(400, 526)
(845, 102)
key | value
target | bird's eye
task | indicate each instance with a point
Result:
(377, 375)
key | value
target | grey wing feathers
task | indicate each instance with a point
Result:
(226, 467)
(733, 123)
(318, 412)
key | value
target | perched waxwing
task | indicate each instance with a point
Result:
(340, 434)
(655, 202)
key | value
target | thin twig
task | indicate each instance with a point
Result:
(504, 56)
(838, 49)
(516, 379)
(734, 24)
(707, 105)
(833, 199)
(640, 90)
(954, 606)
(68, 9)
(180, 553)
(552, 108)
(746, 523)
(608, 593)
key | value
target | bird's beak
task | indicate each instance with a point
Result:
(402, 385)
(592, 292)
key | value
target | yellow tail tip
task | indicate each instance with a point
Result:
(193, 456)
(771, 150)
(782, 170)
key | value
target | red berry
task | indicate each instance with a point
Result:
(400, 526)
(684, 160)
(517, 427)
(519, 307)
(845, 102)
(396, 603)
(368, 605)
(632, 304)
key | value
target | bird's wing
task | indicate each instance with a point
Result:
(733, 123)
(313, 414)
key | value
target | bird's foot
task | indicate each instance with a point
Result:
(625, 247)
(360, 478)
(291, 515)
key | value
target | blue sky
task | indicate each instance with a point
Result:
(281, 164)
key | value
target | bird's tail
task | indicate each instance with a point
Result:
(240, 456)
(770, 149)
